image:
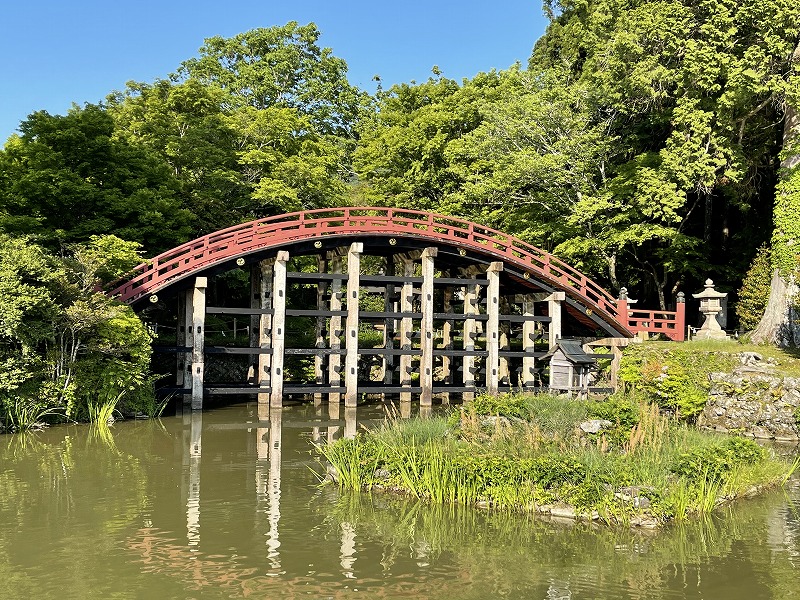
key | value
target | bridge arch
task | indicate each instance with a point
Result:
(506, 268)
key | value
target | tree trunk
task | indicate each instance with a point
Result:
(778, 325)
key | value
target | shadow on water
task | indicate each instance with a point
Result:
(227, 504)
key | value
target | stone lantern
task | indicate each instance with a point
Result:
(710, 306)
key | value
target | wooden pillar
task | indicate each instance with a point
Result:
(426, 329)
(406, 329)
(278, 328)
(320, 330)
(493, 326)
(180, 341)
(198, 336)
(335, 359)
(351, 329)
(261, 282)
(447, 339)
(504, 343)
(554, 310)
(469, 332)
(527, 378)
(388, 326)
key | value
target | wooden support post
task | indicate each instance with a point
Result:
(188, 297)
(388, 326)
(447, 339)
(279, 292)
(351, 330)
(470, 331)
(504, 343)
(335, 360)
(261, 330)
(554, 301)
(198, 337)
(493, 327)
(527, 378)
(320, 330)
(426, 329)
(406, 328)
(180, 341)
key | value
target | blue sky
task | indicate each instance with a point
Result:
(59, 52)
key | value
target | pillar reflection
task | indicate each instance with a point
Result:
(350, 423)
(274, 490)
(192, 457)
(333, 414)
(347, 555)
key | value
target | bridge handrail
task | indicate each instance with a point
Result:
(269, 231)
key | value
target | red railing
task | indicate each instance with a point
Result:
(280, 230)
(669, 323)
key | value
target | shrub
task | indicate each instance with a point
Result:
(754, 292)
(504, 405)
(717, 461)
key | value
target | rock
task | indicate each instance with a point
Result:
(331, 474)
(750, 358)
(381, 474)
(645, 521)
(595, 425)
(563, 512)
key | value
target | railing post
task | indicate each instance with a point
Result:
(622, 308)
(680, 318)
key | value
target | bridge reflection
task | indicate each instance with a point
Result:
(268, 453)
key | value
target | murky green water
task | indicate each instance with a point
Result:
(220, 505)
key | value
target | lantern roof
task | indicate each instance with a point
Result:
(709, 292)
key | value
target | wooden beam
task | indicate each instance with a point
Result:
(180, 340)
(351, 329)
(426, 329)
(493, 327)
(320, 329)
(198, 338)
(406, 328)
(470, 330)
(279, 291)
(554, 301)
(335, 329)
(447, 339)
(527, 377)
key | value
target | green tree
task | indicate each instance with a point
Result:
(258, 124)
(402, 147)
(67, 178)
(281, 67)
(64, 345)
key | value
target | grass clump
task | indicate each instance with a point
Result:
(529, 453)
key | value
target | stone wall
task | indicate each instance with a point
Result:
(753, 400)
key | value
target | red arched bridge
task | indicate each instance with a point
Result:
(466, 254)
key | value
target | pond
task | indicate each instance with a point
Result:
(221, 505)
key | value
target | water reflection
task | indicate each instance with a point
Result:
(193, 455)
(121, 513)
